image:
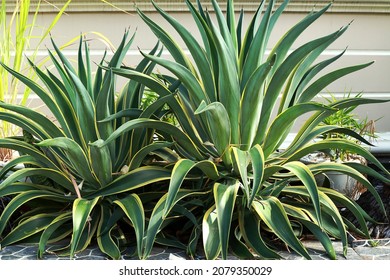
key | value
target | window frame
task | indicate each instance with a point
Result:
(297, 6)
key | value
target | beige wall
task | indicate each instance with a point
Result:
(367, 39)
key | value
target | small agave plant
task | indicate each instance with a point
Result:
(78, 189)
(235, 188)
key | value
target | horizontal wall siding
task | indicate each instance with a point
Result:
(367, 39)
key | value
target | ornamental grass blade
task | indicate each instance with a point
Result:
(81, 212)
(272, 213)
(210, 232)
(225, 198)
(132, 206)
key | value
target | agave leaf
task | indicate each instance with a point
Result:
(22, 199)
(256, 51)
(306, 177)
(106, 244)
(337, 144)
(85, 108)
(50, 229)
(305, 218)
(329, 78)
(290, 95)
(225, 198)
(197, 52)
(132, 207)
(9, 166)
(137, 159)
(35, 118)
(43, 95)
(240, 167)
(28, 228)
(323, 167)
(180, 172)
(175, 132)
(100, 159)
(226, 29)
(133, 180)
(285, 43)
(322, 237)
(318, 117)
(80, 214)
(271, 211)
(26, 148)
(281, 74)
(250, 229)
(167, 40)
(103, 109)
(210, 231)
(238, 247)
(311, 73)
(66, 115)
(284, 121)
(218, 126)
(156, 218)
(330, 211)
(75, 154)
(228, 83)
(251, 103)
(55, 175)
(21, 187)
(352, 206)
(257, 158)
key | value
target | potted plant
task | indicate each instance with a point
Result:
(345, 125)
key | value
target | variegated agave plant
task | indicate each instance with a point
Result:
(77, 189)
(224, 97)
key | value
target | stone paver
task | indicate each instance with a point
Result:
(358, 250)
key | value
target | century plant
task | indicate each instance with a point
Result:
(75, 187)
(237, 103)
